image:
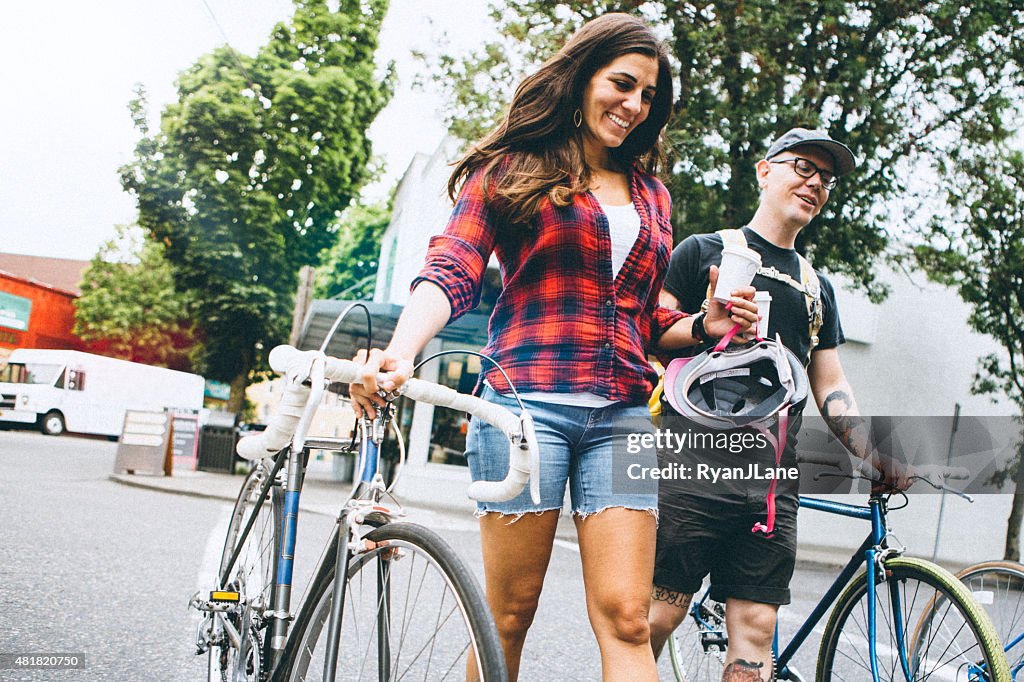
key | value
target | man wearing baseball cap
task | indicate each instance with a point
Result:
(707, 529)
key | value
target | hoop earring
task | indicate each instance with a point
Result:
(577, 118)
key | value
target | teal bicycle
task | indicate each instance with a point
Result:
(893, 617)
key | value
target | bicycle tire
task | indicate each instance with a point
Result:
(999, 587)
(698, 646)
(439, 601)
(949, 633)
(253, 577)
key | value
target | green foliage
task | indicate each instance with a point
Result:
(129, 308)
(983, 259)
(349, 267)
(895, 80)
(252, 167)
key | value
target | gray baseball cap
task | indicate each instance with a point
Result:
(797, 137)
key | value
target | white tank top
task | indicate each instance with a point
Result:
(623, 228)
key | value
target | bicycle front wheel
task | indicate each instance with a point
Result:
(697, 648)
(927, 627)
(412, 611)
(252, 576)
(999, 587)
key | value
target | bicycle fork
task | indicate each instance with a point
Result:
(349, 544)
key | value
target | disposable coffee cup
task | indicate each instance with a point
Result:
(764, 304)
(737, 269)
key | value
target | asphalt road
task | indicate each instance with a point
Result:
(97, 568)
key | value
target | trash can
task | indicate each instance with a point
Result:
(342, 467)
(217, 441)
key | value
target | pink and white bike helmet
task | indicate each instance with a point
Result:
(731, 386)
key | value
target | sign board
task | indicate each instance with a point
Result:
(145, 445)
(185, 440)
(14, 311)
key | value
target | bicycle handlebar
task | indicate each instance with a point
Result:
(297, 366)
(933, 474)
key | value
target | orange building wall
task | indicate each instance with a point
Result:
(50, 322)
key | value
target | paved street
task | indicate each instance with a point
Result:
(97, 567)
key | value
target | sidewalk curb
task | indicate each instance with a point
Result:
(141, 482)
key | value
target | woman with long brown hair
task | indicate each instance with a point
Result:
(564, 193)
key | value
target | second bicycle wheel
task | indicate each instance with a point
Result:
(928, 627)
(412, 611)
(999, 587)
(252, 576)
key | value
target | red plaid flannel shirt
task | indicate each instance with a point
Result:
(561, 324)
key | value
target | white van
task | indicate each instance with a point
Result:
(68, 390)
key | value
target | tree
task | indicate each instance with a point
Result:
(349, 267)
(898, 81)
(248, 175)
(129, 308)
(983, 259)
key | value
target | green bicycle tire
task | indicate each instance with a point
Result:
(999, 587)
(919, 586)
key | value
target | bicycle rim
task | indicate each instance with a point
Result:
(252, 576)
(999, 588)
(412, 611)
(945, 634)
(697, 647)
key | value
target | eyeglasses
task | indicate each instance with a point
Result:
(807, 169)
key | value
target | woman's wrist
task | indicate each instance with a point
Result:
(699, 332)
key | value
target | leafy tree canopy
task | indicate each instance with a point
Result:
(250, 170)
(129, 308)
(349, 267)
(896, 80)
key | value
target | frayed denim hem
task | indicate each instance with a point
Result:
(480, 513)
(583, 516)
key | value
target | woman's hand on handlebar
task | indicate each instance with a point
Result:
(365, 396)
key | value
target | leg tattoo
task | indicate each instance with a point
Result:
(743, 671)
(677, 599)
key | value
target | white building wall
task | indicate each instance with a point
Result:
(421, 211)
(914, 355)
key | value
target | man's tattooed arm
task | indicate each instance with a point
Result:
(843, 418)
(743, 671)
(677, 599)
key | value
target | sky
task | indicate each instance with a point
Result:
(68, 69)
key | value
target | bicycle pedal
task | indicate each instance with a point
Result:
(225, 596)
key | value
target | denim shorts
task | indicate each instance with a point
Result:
(576, 447)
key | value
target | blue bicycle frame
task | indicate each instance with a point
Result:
(368, 462)
(864, 554)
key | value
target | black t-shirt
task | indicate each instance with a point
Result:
(687, 280)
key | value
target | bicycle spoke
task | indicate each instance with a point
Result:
(418, 618)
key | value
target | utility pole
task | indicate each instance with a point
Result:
(942, 500)
(303, 299)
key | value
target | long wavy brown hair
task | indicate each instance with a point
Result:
(538, 150)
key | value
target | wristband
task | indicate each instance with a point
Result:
(698, 331)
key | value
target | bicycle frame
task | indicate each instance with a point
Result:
(368, 462)
(867, 553)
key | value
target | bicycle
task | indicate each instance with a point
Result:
(408, 607)
(874, 614)
(999, 587)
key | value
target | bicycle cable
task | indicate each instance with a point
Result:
(488, 358)
(338, 320)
